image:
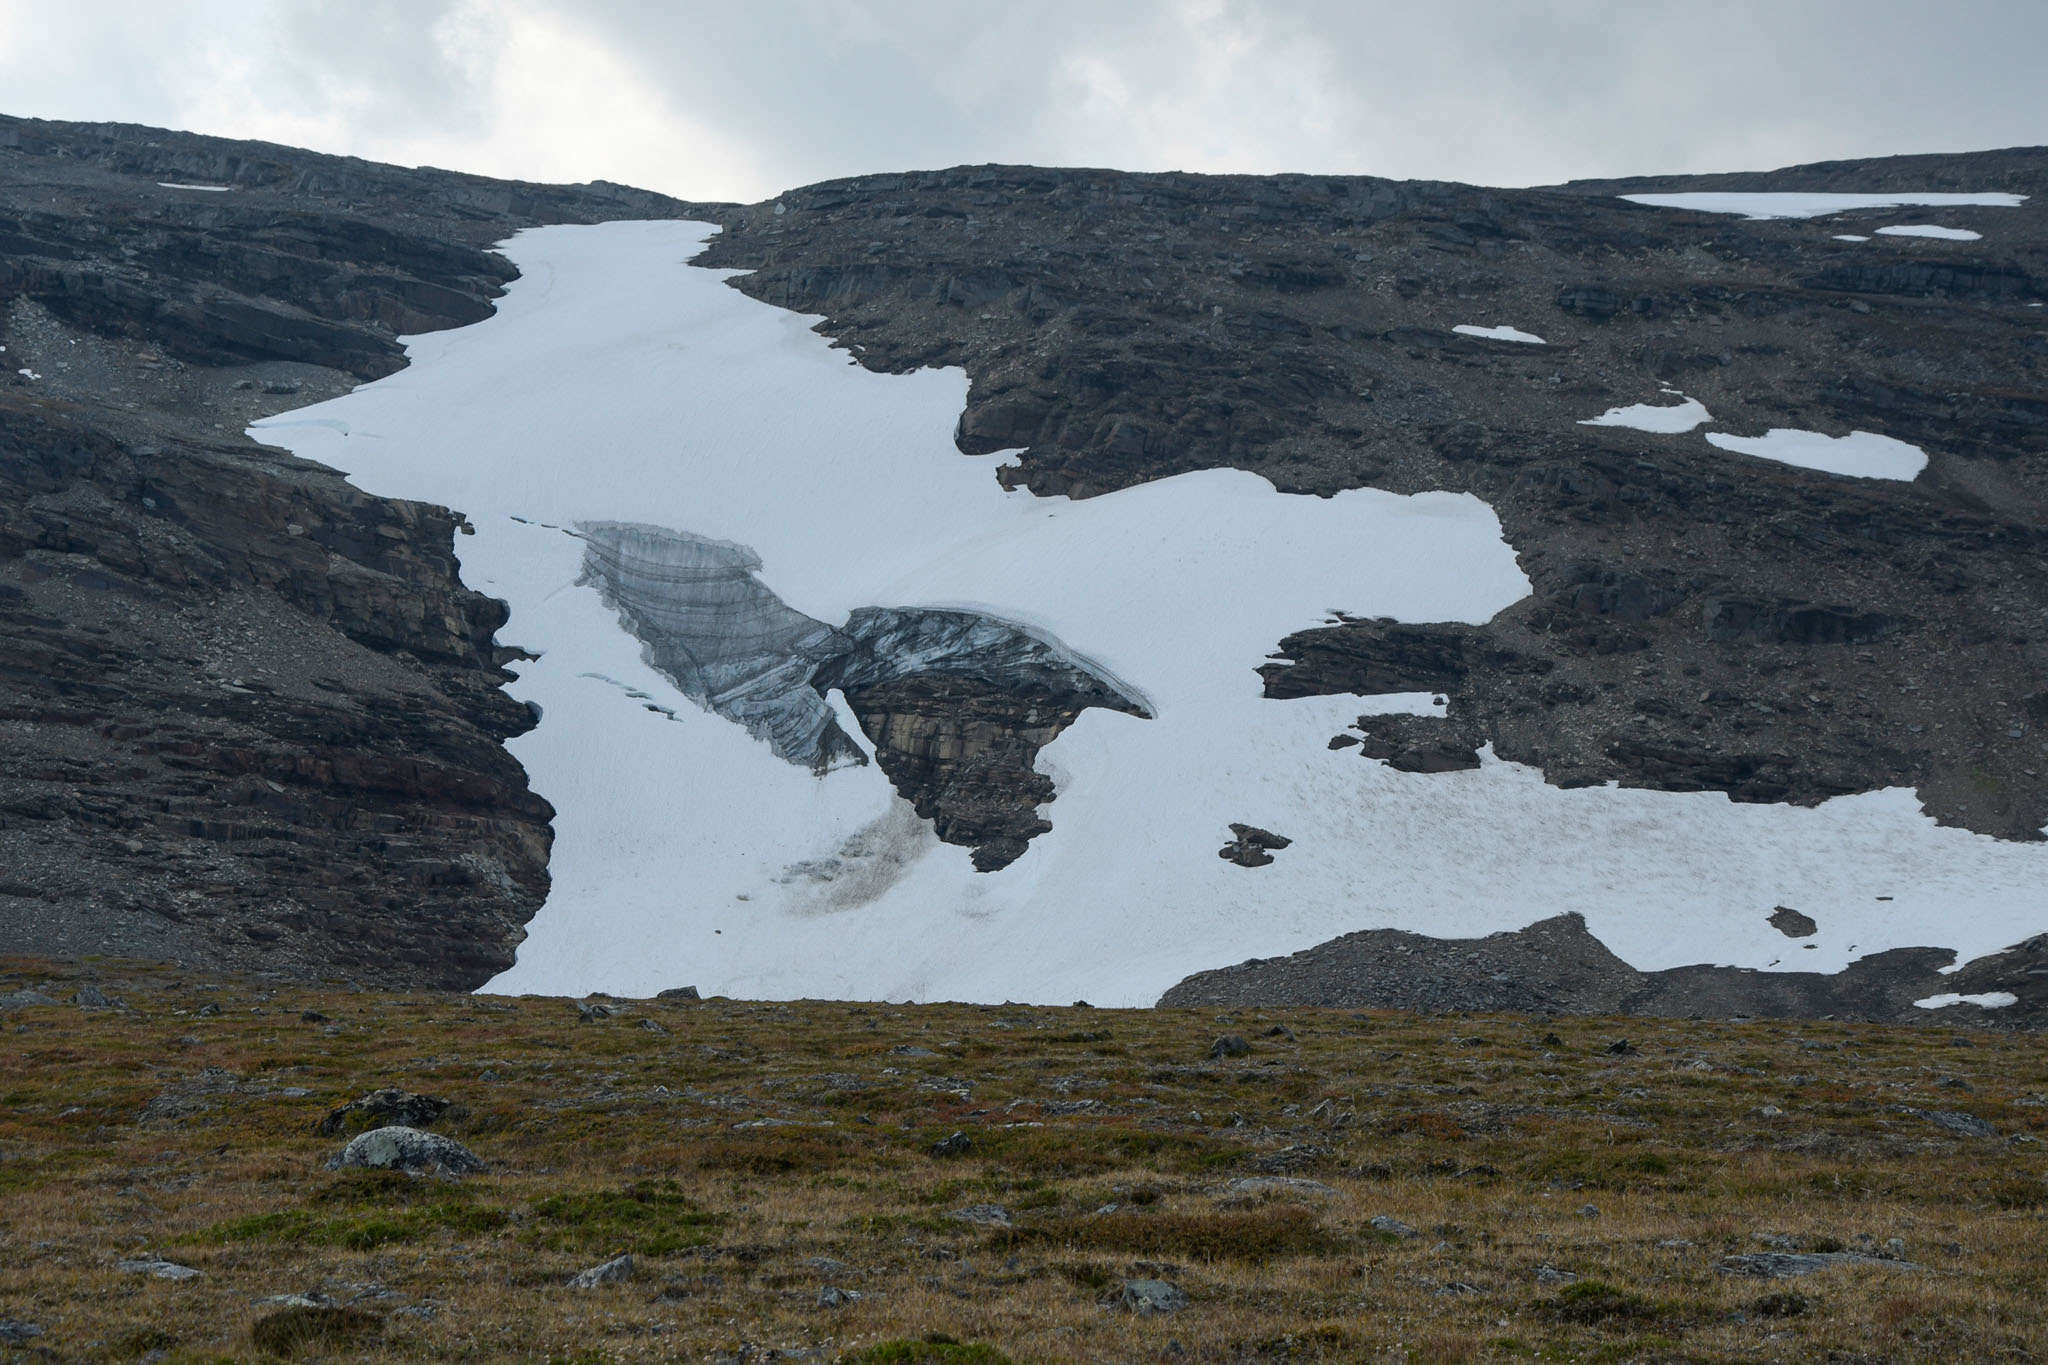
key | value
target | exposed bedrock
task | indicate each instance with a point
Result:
(1556, 965)
(252, 718)
(957, 704)
(1701, 620)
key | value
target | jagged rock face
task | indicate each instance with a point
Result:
(252, 716)
(957, 704)
(1700, 620)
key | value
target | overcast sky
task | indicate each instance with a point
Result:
(743, 98)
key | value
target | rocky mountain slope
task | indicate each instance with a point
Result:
(258, 716)
(251, 715)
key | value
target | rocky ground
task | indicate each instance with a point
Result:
(189, 1165)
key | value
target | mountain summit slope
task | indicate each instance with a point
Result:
(1776, 486)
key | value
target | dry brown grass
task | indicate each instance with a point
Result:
(751, 1154)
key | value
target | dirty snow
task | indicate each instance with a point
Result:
(615, 383)
(1990, 1000)
(1667, 419)
(1803, 204)
(1860, 454)
(1947, 234)
(1499, 334)
(175, 185)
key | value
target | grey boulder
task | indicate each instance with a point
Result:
(406, 1149)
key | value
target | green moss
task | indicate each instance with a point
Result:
(647, 1218)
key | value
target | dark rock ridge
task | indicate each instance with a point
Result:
(252, 717)
(1556, 965)
(1700, 620)
(957, 703)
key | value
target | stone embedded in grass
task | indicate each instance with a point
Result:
(615, 1271)
(161, 1269)
(1783, 1265)
(1229, 1045)
(15, 1333)
(1393, 1227)
(983, 1215)
(1952, 1121)
(1274, 1184)
(831, 1296)
(1149, 1298)
(954, 1144)
(381, 1109)
(398, 1148)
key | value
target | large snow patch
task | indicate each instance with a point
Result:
(1806, 204)
(615, 383)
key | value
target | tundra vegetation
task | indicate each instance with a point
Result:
(870, 1183)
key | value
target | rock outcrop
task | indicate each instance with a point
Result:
(252, 716)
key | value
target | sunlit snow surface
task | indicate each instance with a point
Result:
(175, 185)
(1860, 454)
(1502, 333)
(1990, 1000)
(615, 383)
(1802, 204)
(1666, 419)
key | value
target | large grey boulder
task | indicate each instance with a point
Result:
(406, 1149)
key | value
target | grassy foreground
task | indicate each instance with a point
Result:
(783, 1177)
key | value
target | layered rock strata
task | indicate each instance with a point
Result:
(252, 716)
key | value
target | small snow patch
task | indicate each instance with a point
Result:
(1850, 237)
(1990, 1000)
(1667, 420)
(177, 185)
(1499, 334)
(27, 373)
(1860, 454)
(1947, 234)
(1800, 204)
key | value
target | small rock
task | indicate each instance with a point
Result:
(1792, 924)
(1770, 1111)
(983, 1215)
(590, 1013)
(1780, 1265)
(161, 1270)
(1380, 1222)
(14, 1333)
(24, 999)
(615, 1271)
(382, 1109)
(1229, 1045)
(954, 1144)
(678, 993)
(399, 1148)
(825, 1265)
(208, 1010)
(1589, 1210)
(652, 1027)
(1149, 1298)
(1249, 848)
(1621, 1047)
(1275, 1184)
(91, 997)
(1952, 1121)
(1550, 1274)
(1776, 1241)
(312, 1017)
(831, 1296)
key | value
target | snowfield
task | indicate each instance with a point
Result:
(617, 383)
(1860, 454)
(1665, 419)
(1804, 204)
